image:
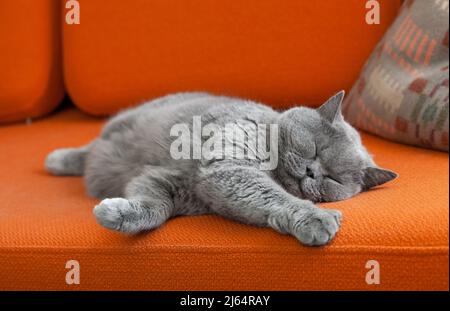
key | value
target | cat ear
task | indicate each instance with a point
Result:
(331, 110)
(374, 176)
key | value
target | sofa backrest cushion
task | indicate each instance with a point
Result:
(31, 82)
(281, 52)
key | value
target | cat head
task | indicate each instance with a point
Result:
(322, 158)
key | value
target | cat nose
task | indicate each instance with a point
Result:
(309, 172)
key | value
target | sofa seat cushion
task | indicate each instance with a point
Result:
(279, 52)
(45, 221)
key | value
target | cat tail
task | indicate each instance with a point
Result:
(67, 161)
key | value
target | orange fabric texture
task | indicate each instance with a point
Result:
(46, 221)
(279, 52)
(31, 82)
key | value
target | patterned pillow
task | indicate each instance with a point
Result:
(402, 93)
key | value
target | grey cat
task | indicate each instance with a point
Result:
(129, 166)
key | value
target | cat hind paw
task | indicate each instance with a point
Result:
(110, 213)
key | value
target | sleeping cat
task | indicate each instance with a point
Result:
(130, 167)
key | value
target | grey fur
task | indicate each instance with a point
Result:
(321, 159)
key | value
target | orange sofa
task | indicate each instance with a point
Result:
(127, 51)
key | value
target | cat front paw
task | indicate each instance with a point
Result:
(316, 226)
(110, 213)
